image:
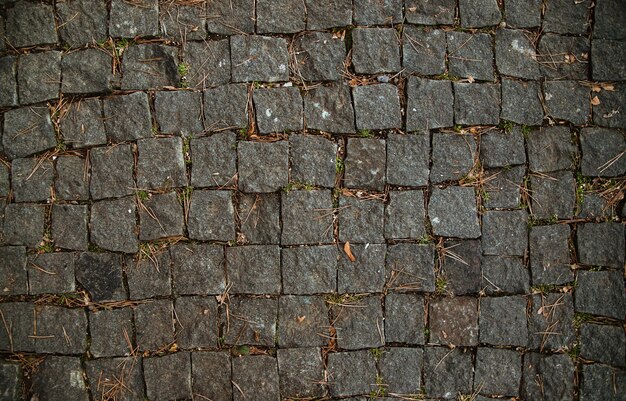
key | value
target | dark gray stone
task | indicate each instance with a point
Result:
(502, 188)
(214, 160)
(476, 104)
(59, 378)
(325, 15)
(600, 293)
(602, 383)
(522, 14)
(344, 379)
(361, 220)
(521, 102)
(72, 181)
(211, 375)
(263, 166)
(60, 330)
(429, 104)
(374, 12)
(567, 100)
(502, 148)
(32, 179)
(168, 377)
(454, 321)
(103, 375)
(82, 22)
(254, 269)
(607, 17)
(113, 225)
(211, 216)
(154, 326)
(48, 273)
(149, 66)
(318, 56)
(30, 23)
(498, 371)
(504, 275)
(198, 269)
(603, 343)
(503, 321)
(401, 370)
(14, 279)
(128, 20)
(197, 321)
(561, 16)
(8, 81)
(461, 268)
(548, 377)
(329, 108)
(600, 147)
(594, 206)
(549, 255)
(377, 107)
(5, 184)
(251, 321)
(24, 224)
(303, 321)
(563, 57)
(447, 372)
(10, 381)
(179, 112)
(149, 276)
(301, 372)
(161, 216)
(423, 50)
(160, 163)
(230, 18)
(309, 270)
(101, 275)
(39, 76)
(111, 172)
(259, 58)
(410, 267)
(87, 71)
(375, 50)
(516, 55)
(184, 21)
(110, 330)
(366, 273)
(313, 160)
(505, 232)
(452, 157)
(550, 322)
(27, 131)
(83, 124)
(405, 215)
(127, 117)
(208, 63)
(306, 217)
(360, 324)
(19, 319)
(452, 212)
(278, 109)
(479, 13)
(404, 318)
(470, 55)
(256, 375)
(601, 244)
(282, 16)
(407, 159)
(437, 12)
(259, 216)
(553, 195)
(607, 113)
(226, 107)
(365, 164)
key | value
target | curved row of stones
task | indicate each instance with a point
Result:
(164, 237)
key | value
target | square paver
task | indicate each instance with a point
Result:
(13, 268)
(548, 376)
(606, 15)
(256, 375)
(72, 177)
(600, 293)
(375, 50)
(303, 321)
(505, 232)
(8, 87)
(214, 160)
(550, 255)
(301, 372)
(523, 14)
(498, 371)
(281, 16)
(504, 275)
(60, 330)
(476, 104)
(179, 112)
(11, 379)
(521, 102)
(460, 267)
(603, 343)
(101, 275)
(551, 149)
(373, 12)
(567, 100)
(83, 124)
(198, 269)
(160, 163)
(208, 63)
(423, 50)
(607, 60)
(437, 12)
(128, 20)
(110, 330)
(278, 109)
(259, 58)
(127, 117)
(148, 66)
(182, 22)
(361, 220)
(404, 318)
(564, 57)
(407, 159)
(365, 164)
(259, 217)
(344, 380)
(197, 322)
(447, 372)
(324, 15)
(601, 382)
(319, 56)
(453, 156)
(601, 244)
(58, 378)
(161, 216)
(24, 224)
(154, 325)
(19, 317)
(479, 13)
(251, 321)
(32, 179)
(470, 55)
(502, 189)
(111, 172)
(29, 24)
(309, 270)
(454, 321)
(211, 375)
(48, 273)
(306, 217)
(27, 131)
(452, 212)
(263, 166)
(553, 195)
(562, 17)
(607, 112)
(377, 107)
(404, 215)
(329, 109)
(313, 160)
(254, 269)
(361, 326)
(231, 18)
(168, 377)
(401, 370)
(39, 76)
(226, 106)
(516, 55)
(150, 276)
(211, 216)
(105, 373)
(366, 273)
(600, 147)
(430, 104)
(87, 71)
(550, 322)
(410, 267)
(503, 321)
(113, 225)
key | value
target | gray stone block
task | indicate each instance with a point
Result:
(309, 270)
(251, 321)
(553, 195)
(345, 379)
(404, 318)
(154, 326)
(479, 13)
(601, 244)
(516, 55)
(453, 156)
(375, 50)
(361, 326)
(313, 160)
(567, 100)
(607, 112)
(470, 55)
(198, 269)
(149, 66)
(24, 224)
(561, 16)
(521, 102)
(303, 321)
(461, 267)
(32, 179)
(563, 57)
(259, 216)
(19, 317)
(83, 124)
(256, 375)
(226, 107)
(282, 16)
(603, 343)
(498, 371)
(211, 375)
(208, 63)
(550, 255)
(550, 377)
(600, 147)
(407, 159)
(301, 372)
(502, 189)
(410, 267)
(423, 50)
(101, 275)
(306, 217)
(108, 371)
(447, 372)
(476, 104)
(452, 212)
(197, 318)
(551, 322)
(214, 160)
(429, 104)
(127, 117)
(373, 12)
(377, 107)
(60, 330)
(149, 277)
(278, 109)
(211, 216)
(437, 12)
(72, 181)
(8, 81)
(319, 56)
(361, 220)
(111, 172)
(505, 232)
(11, 380)
(522, 14)
(325, 15)
(128, 20)
(179, 112)
(168, 377)
(161, 216)
(183, 22)
(113, 225)
(503, 321)
(329, 108)
(254, 269)
(82, 22)
(39, 76)
(405, 215)
(607, 17)
(401, 370)
(60, 378)
(87, 71)
(29, 24)
(110, 330)
(48, 273)
(259, 58)
(14, 279)
(231, 18)
(263, 166)
(27, 130)
(365, 164)
(366, 273)
(602, 383)
(504, 275)
(160, 163)
(607, 60)
(454, 321)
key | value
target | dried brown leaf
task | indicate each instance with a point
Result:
(348, 251)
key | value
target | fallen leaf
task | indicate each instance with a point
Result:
(470, 79)
(607, 86)
(300, 319)
(596, 88)
(595, 101)
(348, 251)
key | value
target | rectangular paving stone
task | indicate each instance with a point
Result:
(214, 160)
(278, 109)
(11, 380)
(410, 267)
(303, 321)
(547, 376)
(256, 375)
(498, 371)
(149, 275)
(372, 12)
(318, 56)
(603, 343)
(161, 216)
(113, 225)
(281, 16)
(184, 21)
(521, 102)
(601, 244)
(344, 380)
(72, 177)
(325, 15)
(476, 104)
(24, 224)
(8, 83)
(329, 108)
(211, 375)
(226, 107)
(127, 117)
(60, 378)
(479, 13)
(550, 255)
(60, 330)
(377, 107)
(306, 217)
(505, 232)
(515, 54)
(437, 12)
(366, 273)
(563, 57)
(309, 270)
(160, 163)
(365, 164)
(599, 148)
(607, 15)
(522, 14)
(14, 279)
(470, 55)
(168, 377)
(32, 179)
(104, 375)
(259, 218)
(429, 104)
(198, 269)
(503, 321)
(111, 171)
(375, 50)
(404, 215)
(254, 269)
(453, 156)
(230, 18)
(101, 275)
(259, 58)
(154, 325)
(197, 322)
(567, 100)
(27, 130)
(250, 321)
(301, 372)
(550, 322)
(19, 319)
(5, 185)
(48, 273)
(602, 382)
(600, 293)
(128, 20)
(361, 326)
(313, 160)
(460, 267)
(111, 332)
(502, 148)
(454, 321)
(407, 159)
(179, 112)
(39, 76)
(423, 50)
(401, 370)
(82, 22)
(87, 71)
(562, 17)
(553, 195)
(447, 372)
(83, 123)
(452, 212)
(404, 318)
(208, 63)
(504, 275)
(263, 166)
(606, 113)
(29, 24)
(361, 220)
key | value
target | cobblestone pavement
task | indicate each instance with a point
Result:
(288, 199)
